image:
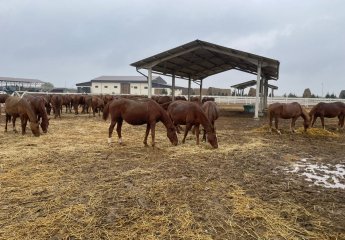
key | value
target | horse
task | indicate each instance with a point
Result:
(97, 103)
(287, 111)
(191, 114)
(138, 113)
(37, 104)
(56, 102)
(76, 101)
(328, 110)
(66, 101)
(15, 107)
(212, 112)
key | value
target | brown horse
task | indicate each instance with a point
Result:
(56, 102)
(138, 113)
(191, 114)
(328, 110)
(76, 101)
(212, 112)
(287, 111)
(37, 104)
(19, 107)
(97, 104)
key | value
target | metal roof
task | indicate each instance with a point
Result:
(22, 80)
(199, 59)
(129, 79)
(249, 84)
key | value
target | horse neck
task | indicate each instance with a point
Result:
(28, 109)
(205, 122)
(305, 115)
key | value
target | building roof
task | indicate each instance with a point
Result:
(133, 79)
(84, 84)
(249, 84)
(21, 80)
(199, 59)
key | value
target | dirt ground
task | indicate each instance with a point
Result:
(70, 184)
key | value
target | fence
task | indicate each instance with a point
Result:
(242, 100)
(251, 100)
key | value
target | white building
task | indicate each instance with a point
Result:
(135, 85)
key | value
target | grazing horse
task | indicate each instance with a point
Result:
(328, 110)
(19, 107)
(138, 113)
(212, 112)
(66, 101)
(37, 104)
(287, 111)
(191, 114)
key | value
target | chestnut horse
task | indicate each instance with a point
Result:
(212, 112)
(56, 102)
(328, 110)
(37, 104)
(191, 114)
(138, 113)
(15, 107)
(287, 111)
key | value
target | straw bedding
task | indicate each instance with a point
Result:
(70, 184)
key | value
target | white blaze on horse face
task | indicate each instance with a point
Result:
(110, 140)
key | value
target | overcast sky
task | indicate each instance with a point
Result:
(69, 41)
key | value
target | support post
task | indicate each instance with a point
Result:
(173, 87)
(200, 95)
(189, 87)
(257, 99)
(149, 88)
(266, 93)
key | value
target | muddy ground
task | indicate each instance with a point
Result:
(70, 184)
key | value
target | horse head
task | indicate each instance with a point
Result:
(212, 138)
(35, 128)
(171, 133)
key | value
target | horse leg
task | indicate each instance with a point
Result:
(118, 130)
(153, 127)
(23, 123)
(111, 129)
(313, 120)
(14, 124)
(197, 132)
(146, 134)
(204, 135)
(8, 118)
(276, 124)
(188, 127)
(323, 122)
(292, 125)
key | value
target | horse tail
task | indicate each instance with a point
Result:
(106, 111)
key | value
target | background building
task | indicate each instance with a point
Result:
(136, 85)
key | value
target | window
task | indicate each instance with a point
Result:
(145, 87)
(115, 86)
(135, 87)
(96, 86)
(105, 86)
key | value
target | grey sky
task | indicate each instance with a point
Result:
(71, 41)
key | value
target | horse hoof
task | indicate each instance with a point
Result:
(110, 140)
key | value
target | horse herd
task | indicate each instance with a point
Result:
(139, 110)
(135, 110)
